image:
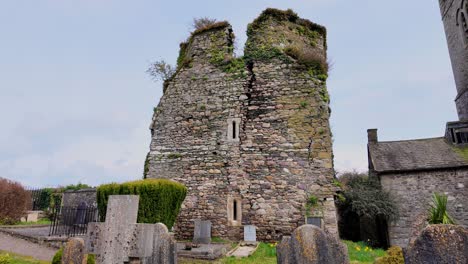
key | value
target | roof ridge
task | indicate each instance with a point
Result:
(407, 140)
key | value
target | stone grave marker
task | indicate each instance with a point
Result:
(121, 240)
(74, 252)
(250, 233)
(202, 232)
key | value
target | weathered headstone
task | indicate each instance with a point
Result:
(120, 239)
(32, 216)
(74, 252)
(439, 244)
(202, 232)
(250, 233)
(309, 244)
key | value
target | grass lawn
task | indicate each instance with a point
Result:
(265, 254)
(360, 253)
(43, 221)
(18, 259)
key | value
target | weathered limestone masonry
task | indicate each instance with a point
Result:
(250, 136)
(455, 18)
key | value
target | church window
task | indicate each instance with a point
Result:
(462, 21)
(233, 129)
(234, 211)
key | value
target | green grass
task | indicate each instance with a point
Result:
(44, 221)
(359, 252)
(265, 254)
(18, 259)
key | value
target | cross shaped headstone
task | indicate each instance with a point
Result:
(121, 240)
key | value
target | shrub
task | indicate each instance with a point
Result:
(394, 256)
(203, 22)
(365, 197)
(160, 199)
(313, 59)
(14, 201)
(438, 211)
(57, 259)
(5, 259)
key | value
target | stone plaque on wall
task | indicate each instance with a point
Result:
(250, 233)
(202, 232)
(316, 221)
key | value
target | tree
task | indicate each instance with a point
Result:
(161, 70)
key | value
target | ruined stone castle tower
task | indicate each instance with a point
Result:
(455, 18)
(250, 136)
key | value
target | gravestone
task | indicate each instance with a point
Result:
(121, 240)
(202, 232)
(74, 252)
(250, 233)
(309, 244)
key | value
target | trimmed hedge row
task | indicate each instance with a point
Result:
(160, 199)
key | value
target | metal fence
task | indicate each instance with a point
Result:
(72, 221)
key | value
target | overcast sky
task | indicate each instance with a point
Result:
(76, 103)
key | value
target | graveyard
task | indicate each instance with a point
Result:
(240, 163)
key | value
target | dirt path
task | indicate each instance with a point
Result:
(25, 248)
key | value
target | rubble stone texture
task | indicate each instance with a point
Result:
(74, 252)
(311, 245)
(250, 135)
(439, 244)
(455, 17)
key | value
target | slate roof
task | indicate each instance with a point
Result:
(410, 155)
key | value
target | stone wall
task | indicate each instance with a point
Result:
(413, 192)
(74, 198)
(456, 32)
(253, 137)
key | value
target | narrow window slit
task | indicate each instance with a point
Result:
(233, 129)
(234, 207)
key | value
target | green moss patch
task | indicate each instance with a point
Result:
(462, 151)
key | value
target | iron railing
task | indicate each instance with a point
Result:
(72, 221)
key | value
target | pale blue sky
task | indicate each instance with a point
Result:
(76, 102)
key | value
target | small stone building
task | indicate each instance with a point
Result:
(412, 170)
(250, 136)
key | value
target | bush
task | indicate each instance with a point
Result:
(5, 259)
(438, 212)
(394, 256)
(314, 60)
(160, 199)
(58, 258)
(14, 201)
(365, 197)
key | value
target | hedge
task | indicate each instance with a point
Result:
(160, 199)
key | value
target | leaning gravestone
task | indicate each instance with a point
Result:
(74, 252)
(441, 244)
(309, 244)
(121, 240)
(202, 232)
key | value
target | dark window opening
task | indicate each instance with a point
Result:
(234, 211)
(462, 137)
(234, 129)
